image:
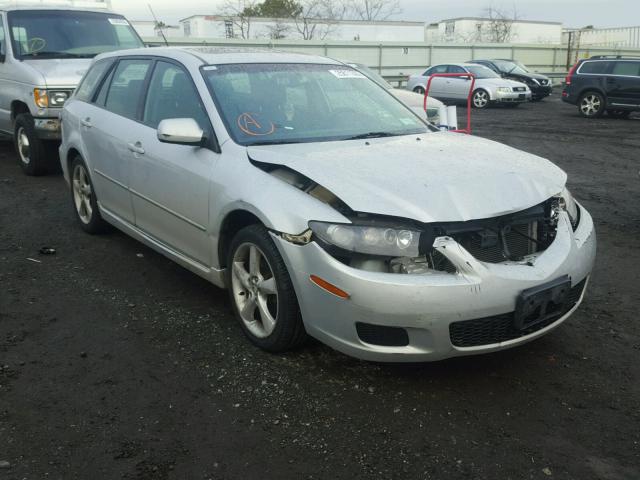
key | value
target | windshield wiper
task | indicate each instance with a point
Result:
(52, 54)
(363, 136)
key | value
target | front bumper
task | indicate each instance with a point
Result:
(513, 97)
(426, 305)
(541, 91)
(48, 128)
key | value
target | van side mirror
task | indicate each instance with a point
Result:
(181, 131)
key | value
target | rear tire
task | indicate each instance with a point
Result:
(262, 294)
(31, 151)
(84, 200)
(591, 105)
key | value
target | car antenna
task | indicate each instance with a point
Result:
(158, 25)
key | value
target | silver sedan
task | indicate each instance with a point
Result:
(490, 88)
(323, 204)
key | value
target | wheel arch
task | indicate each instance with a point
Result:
(18, 107)
(231, 224)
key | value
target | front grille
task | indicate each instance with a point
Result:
(381, 335)
(500, 328)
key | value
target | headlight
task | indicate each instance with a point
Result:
(504, 89)
(370, 240)
(50, 98)
(567, 203)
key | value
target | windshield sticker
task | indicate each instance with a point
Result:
(248, 123)
(346, 74)
(118, 21)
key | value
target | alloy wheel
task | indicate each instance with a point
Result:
(254, 290)
(590, 105)
(480, 99)
(24, 147)
(82, 194)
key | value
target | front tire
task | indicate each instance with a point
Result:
(83, 197)
(591, 105)
(31, 151)
(480, 99)
(261, 291)
(419, 90)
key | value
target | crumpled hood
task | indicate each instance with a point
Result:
(444, 177)
(60, 72)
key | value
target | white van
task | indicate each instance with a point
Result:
(44, 52)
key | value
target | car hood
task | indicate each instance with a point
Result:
(443, 177)
(415, 100)
(61, 72)
(499, 82)
(523, 76)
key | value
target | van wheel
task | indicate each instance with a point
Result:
(83, 196)
(262, 293)
(591, 105)
(31, 151)
(619, 113)
(480, 98)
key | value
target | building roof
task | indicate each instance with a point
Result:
(319, 20)
(487, 19)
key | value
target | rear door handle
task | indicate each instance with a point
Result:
(86, 123)
(136, 148)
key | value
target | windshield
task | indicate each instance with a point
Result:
(510, 67)
(42, 34)
(265, 104)
(481, 72)
(375, 76)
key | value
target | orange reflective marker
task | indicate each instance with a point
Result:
(332, 289)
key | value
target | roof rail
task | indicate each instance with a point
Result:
(106, 4)
(597, 57)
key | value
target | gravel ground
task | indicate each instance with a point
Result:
(117, 363)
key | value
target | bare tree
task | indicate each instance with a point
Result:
(240, 12)
(279, 30)
(498, 28)
(318, 18)
(372, 10)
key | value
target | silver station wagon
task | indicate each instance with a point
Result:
(323, 204)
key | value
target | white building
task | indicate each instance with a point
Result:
(482, 30)
(218, 26)
(147, 29)
(620, 37)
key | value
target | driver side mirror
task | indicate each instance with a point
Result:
(181, 131)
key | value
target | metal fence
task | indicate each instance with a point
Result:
(396, 60)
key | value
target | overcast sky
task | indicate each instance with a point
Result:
(573, 13)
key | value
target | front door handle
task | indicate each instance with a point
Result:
(136, 148)
(86, 123)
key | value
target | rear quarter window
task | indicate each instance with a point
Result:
(594, 67)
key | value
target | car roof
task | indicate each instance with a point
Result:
(226, 55)
(56, 8)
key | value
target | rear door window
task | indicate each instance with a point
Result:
(628, 69)
(456, 69)
(594, 67)
(126, 89)
(436, 69)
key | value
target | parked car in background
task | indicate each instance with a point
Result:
(413, 100)
(540, 85)
(490, 88)
(44, 53)
(604, 84)
(326, 206)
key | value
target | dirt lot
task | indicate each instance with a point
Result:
(116, 363)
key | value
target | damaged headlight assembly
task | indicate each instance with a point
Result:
(566, 203)
(369, 240)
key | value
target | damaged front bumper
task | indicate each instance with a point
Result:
(425, 317)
